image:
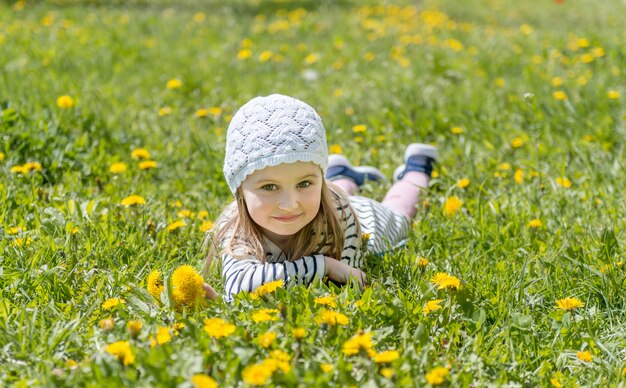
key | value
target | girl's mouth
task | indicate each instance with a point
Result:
(287, 218)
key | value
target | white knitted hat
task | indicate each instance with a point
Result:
(268, 131)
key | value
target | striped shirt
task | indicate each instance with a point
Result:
(384, 227)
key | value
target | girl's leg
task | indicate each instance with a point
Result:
(347, 185)
(403, 196)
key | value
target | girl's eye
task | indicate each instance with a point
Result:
(269, 187)
(304, 184)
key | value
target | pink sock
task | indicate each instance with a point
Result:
(347, 185)
(403, 196)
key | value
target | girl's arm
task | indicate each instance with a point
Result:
(248, 274)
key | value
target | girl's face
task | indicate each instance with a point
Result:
(283, 199)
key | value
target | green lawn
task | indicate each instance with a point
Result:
(525, 100)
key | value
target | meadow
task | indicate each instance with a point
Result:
(112, 128)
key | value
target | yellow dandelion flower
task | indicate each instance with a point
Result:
(463, 183)
(452, 205)
(175, 225)
(133, 200)
(437, 376)
(265, 315)
(326, 368)
(563, 182)
(613, 95)
(107, 324)
(111, 303)
(387, 372)
(525, 29)
(556, 82)
(20, 242)
(186, 213)
(518, 176)
(19, 170)
(206, 226)
(1, 156)
(215, 111)
(585, 356)
(203, 381)
(65, 102)
(457, 130)
(535, 224)
(203, 214)
(15, 230)
(267, 288)
(266, 56)
(422, 262)
(554, 381)
(244, 54)
(163, 336)
(358, 342)
(597, 52)
(187, 286)
(267, 339)
(121, 350)
(569, 303)
(165, 111)
(328, 300)
(118, 168)
(140, 153)
(174, 84)
(298, 333)
(369, 56)
(444, 280)
(500, 82)
(335, 149)
(587, 58)
(218, 328)
(332, 318)
(311, 58)
(559, 95)
(199, 17)
(202, 112)
(386, 356)
(359, 128)
(517, 142)
(155, 284)
(432, 305)
(148, 164)
(134, 328)
(257, 374)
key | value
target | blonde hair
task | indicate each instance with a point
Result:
(243, 237)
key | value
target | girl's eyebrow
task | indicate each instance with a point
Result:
(269, 180)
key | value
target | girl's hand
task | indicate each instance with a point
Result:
(210, 292)
(341, 272)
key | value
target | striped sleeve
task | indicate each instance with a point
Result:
(249, 273)
(351, 253)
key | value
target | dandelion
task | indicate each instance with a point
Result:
(65, 102)
(20, 242)
(432, 305)
(148, 164)
(203, 214)
(327, 300)
(500, 82)
(457, 130)
(359, 128)
(1, 156)
(187, 286)
(298, 333)
(203, 381)
(107, 324)
(335, 149)
(613, 95)
(266, 339)
(175, 225)
(111, 303)
(118, 168)
(174, 84)
(437, 376)
(199, 17)
(358, 342)
(244, 54)
(535, 223)
(463, 183)
(332, 318)
(163, 336)
(585, 356)
(215, 111)
(266, 56)
(218, 328)
(133, 200)
(554, 381)
(121, 350)
(563, 182)
(140, 153)
(257, 374)
(267, 288)
(15, 230)
(556, 82)
(444, 280)
(165, 111)
(326, 368)
(311, 58)
(452, 205)
(587, 58)
(202, 113)
(518, 176)
(185, 213)
(134, 328)
(569, 303)
(517, 142)
(387, 372)
(155, 284)
(386, 356)
(559, 95)
(525, 29)
(206, 226)
(265, 315)
(422, 262)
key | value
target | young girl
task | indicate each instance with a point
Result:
(287, 221)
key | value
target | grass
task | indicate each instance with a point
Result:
(478, 79)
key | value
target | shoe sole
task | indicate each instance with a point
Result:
(336, 160)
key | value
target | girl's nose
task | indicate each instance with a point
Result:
(288, 201)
